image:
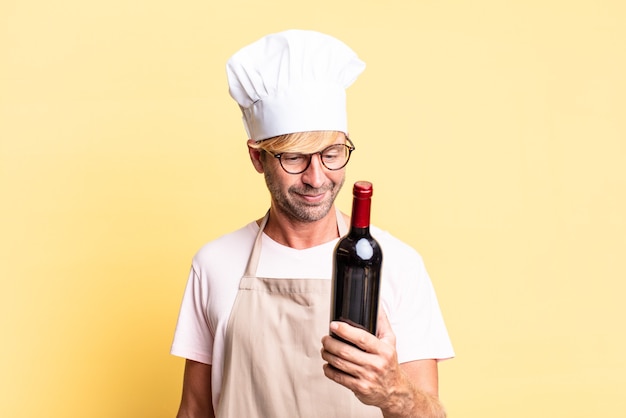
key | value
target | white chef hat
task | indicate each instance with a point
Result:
(293, 81)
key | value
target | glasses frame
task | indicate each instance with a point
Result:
(349, 145)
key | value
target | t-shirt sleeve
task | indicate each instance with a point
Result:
(413, 308)
(423, 331)
(193, 338)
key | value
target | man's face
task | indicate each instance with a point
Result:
(304, 197)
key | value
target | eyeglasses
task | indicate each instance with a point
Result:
(333, 158)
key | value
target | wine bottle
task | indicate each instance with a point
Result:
(356, 268)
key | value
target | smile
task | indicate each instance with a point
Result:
(313, 198)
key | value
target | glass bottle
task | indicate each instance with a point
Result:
(356, 267)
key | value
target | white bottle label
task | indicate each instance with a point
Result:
(364, 249)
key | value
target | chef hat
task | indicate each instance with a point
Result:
(293, 81)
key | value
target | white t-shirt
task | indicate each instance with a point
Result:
(407, 295)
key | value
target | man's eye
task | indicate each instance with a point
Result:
(331, 154)
(293, 158)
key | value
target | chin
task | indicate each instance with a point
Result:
(313, 214)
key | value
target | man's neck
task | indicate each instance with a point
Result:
(301, 235)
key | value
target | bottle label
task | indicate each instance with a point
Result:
(364, 249)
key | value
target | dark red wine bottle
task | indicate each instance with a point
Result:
(356, 268)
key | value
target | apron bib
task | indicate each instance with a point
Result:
(273, 365)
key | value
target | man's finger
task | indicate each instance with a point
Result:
(359, 337)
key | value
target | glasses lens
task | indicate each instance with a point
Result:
(335, 156)
(294, 163)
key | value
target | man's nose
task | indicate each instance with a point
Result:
(315, 174)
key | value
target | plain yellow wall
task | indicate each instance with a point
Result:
(494, 133)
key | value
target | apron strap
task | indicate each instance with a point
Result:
(342, 228)
(255, 254)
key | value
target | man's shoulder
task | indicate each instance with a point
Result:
(386, 238)
(227, 247)
(395, 248)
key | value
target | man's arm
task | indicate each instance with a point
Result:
(408, 390)
(196, 401)
(422, 392)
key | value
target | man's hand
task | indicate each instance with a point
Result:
(374, 374)
(369, 373)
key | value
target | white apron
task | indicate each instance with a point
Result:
(273, 365)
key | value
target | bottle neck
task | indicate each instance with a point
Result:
(360, 219)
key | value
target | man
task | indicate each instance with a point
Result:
(257, 302)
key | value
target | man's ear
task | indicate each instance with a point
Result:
(255, 156)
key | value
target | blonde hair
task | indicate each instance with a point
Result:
(300, 142)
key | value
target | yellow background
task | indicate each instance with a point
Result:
(494, 133)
